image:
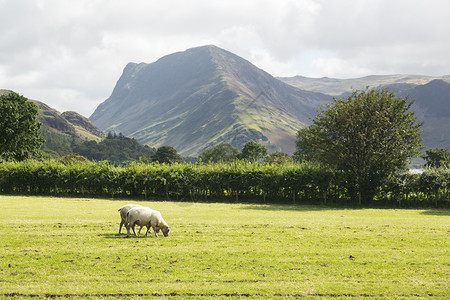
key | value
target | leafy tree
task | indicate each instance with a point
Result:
(303, 151)
(278, 158)
(19, 131)
(166, 154)
(116, 149)
(437, 157)
(253, 151)
(222, 152)
(367, 135)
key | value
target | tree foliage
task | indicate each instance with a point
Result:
(437, 158)
(241, 181)
(19, 131)
(278, 158)
(166, 154)
(253, 151)
(367, 135)
(116, 149)
(223, 152)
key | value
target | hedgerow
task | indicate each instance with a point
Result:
(241, 181)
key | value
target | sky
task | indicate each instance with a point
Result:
(70, 54)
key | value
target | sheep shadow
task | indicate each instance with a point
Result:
(113, 235)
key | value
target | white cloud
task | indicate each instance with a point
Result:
(69, 54)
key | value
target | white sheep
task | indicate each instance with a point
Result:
(144, 216)
(123, 215)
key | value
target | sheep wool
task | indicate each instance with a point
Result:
(144, 216)
(123, 215)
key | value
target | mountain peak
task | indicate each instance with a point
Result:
(203, 96)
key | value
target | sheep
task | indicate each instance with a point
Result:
(123, 215)
(144, 216)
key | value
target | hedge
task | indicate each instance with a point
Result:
(235, 181)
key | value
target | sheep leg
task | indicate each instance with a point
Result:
(120, 227)
(154, 229)
(148, 229)
(128, 229)
(132, 227)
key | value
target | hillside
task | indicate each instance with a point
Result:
(69, 123)
(431, 95)
(204, 96)
(337, 87)
(62, 130)
(432, 105)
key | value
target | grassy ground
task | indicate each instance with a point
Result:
(66, 247)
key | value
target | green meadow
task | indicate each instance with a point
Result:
(70, 247)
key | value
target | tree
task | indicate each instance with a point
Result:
(278, 158)
(253, 151)
(367, 135)
(116, 149)
(222, 152)
(166, 154)
(437, 158)
(19, 131)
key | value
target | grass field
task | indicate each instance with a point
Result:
(70, 247)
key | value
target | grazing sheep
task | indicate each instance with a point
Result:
(144, 216)
(123, 215)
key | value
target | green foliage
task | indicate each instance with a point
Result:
(437, 158)
(19, 131)
(241, 181)
(166, 154)
(115, 149)
(278, 158)
(253, 151)
(57, 144)
(368, 135)
(222, 152)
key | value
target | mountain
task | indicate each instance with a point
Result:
(432, 106)
(63, 130)
(337, 87)
(68, 123)
(431, 95)
(198, 98)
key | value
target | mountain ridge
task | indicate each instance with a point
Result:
(337, 87)
(198, 98)
(69, 123)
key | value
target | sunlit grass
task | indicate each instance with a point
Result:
(70, 246)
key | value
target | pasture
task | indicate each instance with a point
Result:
(70, 248)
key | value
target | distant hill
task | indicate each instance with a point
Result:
(70, 123)
(204, 96)
(337, 87)
(62, 130)
(432, 105)
(431, 94)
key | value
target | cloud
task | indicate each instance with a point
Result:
(69, 54)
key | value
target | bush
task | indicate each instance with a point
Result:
(241, 181)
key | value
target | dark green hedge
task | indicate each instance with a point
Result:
(236, 181)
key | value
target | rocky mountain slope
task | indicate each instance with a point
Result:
(67, 123)
(196, 99)
(204, 96)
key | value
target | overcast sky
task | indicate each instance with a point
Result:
(69, 54)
